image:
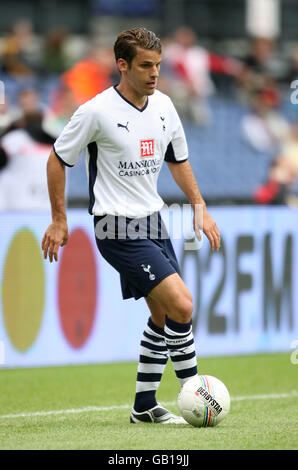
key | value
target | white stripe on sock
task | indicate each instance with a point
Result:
(146, 368)
(146, 386)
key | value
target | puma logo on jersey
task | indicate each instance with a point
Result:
(147, 270)
(122, 125)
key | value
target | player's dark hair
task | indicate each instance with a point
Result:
(127, 42)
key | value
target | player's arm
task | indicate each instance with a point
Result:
(56, 234)
(184, 177)
(74, 138)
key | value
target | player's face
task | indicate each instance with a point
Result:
(143, 72)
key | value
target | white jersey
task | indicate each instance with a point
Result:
(23, 182)
(125, 149)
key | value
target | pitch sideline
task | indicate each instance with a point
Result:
(88, 409)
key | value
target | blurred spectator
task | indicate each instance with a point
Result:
(261, 57)
(54, 59)
(272, 192)
(29, 100)
(24, 151)
(191, 65)
(262, 64)
(61, 107)
(90, 75)
(8, 114)
(21, 51)
(283, 173)
(293, 68)
(265, 126)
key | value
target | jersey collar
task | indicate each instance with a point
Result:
(131, 104)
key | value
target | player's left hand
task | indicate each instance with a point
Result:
(210, 229)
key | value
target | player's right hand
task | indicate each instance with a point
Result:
(55, 236)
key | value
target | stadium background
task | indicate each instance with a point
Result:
(245, 296)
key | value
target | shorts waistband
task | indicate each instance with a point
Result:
(121, 227)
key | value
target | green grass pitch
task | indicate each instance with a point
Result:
(87, 407)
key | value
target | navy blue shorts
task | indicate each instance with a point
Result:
(142, 262)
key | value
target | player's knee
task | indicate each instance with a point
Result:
(184, 310)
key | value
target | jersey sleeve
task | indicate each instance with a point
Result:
(78, 133)
(177, 151)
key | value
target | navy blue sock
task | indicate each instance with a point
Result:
(181, 346)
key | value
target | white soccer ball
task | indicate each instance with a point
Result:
(204, 401)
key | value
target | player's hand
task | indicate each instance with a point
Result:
(55, 236)
(210, 229)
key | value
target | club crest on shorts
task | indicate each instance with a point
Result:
(147, 270)
(147, 148)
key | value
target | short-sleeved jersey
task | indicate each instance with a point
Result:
(125, 149)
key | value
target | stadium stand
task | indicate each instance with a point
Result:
(227, 167)
(227, 164)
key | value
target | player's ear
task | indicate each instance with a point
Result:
(122, 65)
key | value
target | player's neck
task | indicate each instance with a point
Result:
(132, 95)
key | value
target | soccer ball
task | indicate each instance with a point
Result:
(204, 401)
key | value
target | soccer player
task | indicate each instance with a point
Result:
(128, 130)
